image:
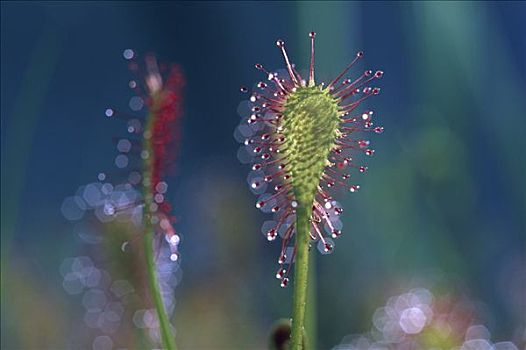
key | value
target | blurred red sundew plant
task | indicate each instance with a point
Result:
(146, 157)
(160, 87)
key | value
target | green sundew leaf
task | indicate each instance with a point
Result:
(310, 126)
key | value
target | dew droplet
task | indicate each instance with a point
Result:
(336, 233)
(243, 89)
(136, 103)
(284, 282)
(363, 143)
(109, 209)
(121, 161)
(124, 246)
(174, 240)
(271, 234)
(354, 188)
(124, 145)
(128, 54)
(161, 187)
(159, 198)
(280, 43)
(326, 247)
(109, 112)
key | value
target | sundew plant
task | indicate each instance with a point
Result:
(301, 138)
(162, 95)
(137, 191)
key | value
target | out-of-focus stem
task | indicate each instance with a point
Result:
(167, 337)
(164, 323)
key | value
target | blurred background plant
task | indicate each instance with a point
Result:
(419, 320)
(444, 200)
(125, 219)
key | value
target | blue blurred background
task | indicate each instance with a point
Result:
(442, 207)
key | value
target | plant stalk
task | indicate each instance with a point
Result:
(301, 273)
(168, 340)
(311, 310)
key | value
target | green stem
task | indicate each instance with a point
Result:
(301, 272)
(164, 323)
(311, 307)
